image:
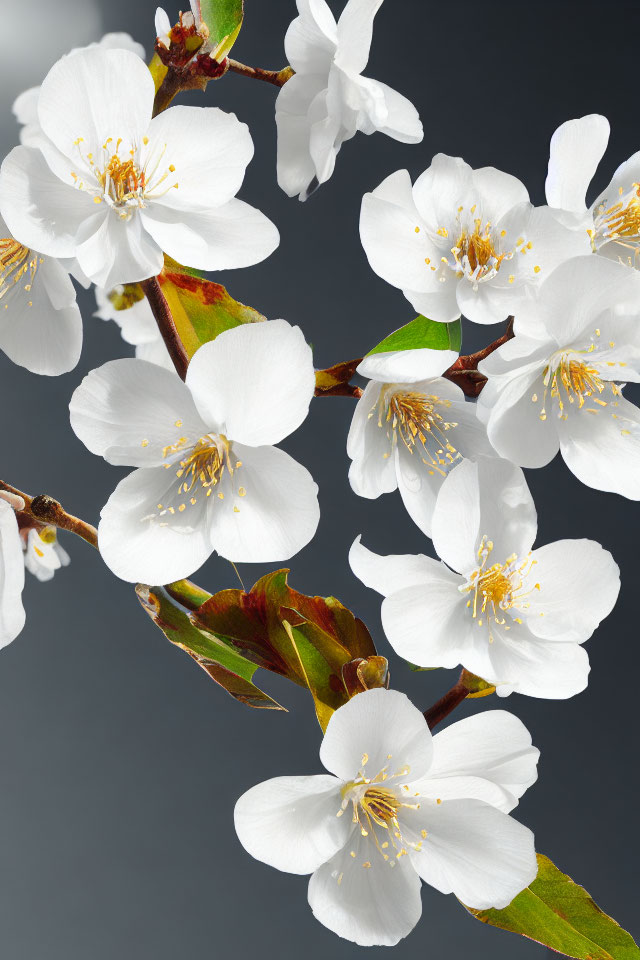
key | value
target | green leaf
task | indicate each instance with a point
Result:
(201, 309)
(306, 639)
(224, 20)
(422, 333)
(221, 661)
(559, 914)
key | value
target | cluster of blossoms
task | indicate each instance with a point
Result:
(103, 192)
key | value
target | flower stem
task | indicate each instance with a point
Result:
(166, 325)
(277, 77)
(464, 371)
(46, 510)
(446, 704)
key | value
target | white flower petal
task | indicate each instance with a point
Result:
(487, 757)
(387, 574)
(355, 31)
(394, 237)
(520, 428)
(488, 498)
(577, 147)
(296, 169)
(311, 39)
(41, 327)
(375, 905)
(375, 730)
(41, 212)
(87, 96)
(137, 322)
(255, 382)
(478, 853)
(291, 823)
(270, 509)
(406, 366)
(112, 251)
(498, 191)
(373, 471)
(481, 303)
(162, 25)
(579, 585)
(224, 146)
(428, 624)
(130, 411)
(155, 352)
(442, 188)
(403, 120)
(518, 661)
(222, 238)
(140, 543)
(12, 616)
(603, 450)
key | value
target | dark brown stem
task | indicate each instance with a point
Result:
(465, 372)
(45, 510)
(170, 86)
(166, 325)
(277, 77)
(446, 704)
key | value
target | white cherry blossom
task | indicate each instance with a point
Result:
(208, 477)
(558, 384)
(612, 222)
(512, 615)
(40, 322)
(462, 241)
(12, 616)
(327, 100)
(396, 807)
(25, 107)
(136, 322)
(408, 434)
(114, 188)
(43, 555)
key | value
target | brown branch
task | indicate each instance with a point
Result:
(465, 371)
(166, 325)
(277, 77)
(45, 510)
(446, 704)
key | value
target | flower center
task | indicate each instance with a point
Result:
(125, 183)
(498, 588)
(200, 468)
(17, 264)
(619, 222)
(415, 420)
(575, 382)
(475, 252)
(375, 807)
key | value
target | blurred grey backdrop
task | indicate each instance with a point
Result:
(120, 761)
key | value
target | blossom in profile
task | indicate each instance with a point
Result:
(408, 434)
(399, 806)
(558, 384)
(43, 555)
(463, 241)
(510, 614)
(208, 474)
(113, 188)
(40, 322)
(612, 221)
(25, 107)
(327, 101)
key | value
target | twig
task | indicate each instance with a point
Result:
(44, 509)
(446, 704)
(465, 372)
(277, 77)
(166, 325)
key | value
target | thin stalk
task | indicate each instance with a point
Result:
(277, 77)
(166, 325)
(44, 509)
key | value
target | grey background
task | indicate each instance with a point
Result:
(120, 761)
